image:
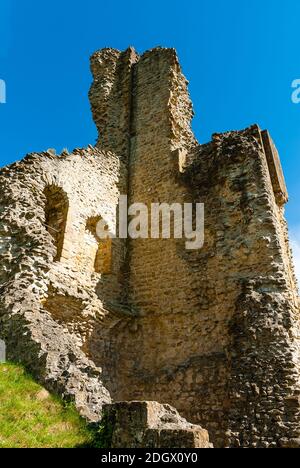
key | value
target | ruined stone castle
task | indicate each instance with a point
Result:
(213, 332)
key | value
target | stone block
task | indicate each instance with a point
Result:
(148, 424)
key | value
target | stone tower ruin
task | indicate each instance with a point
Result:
(213, 332)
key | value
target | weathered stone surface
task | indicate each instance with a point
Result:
(149, 424)
(51, 305)
(213, 332)
(290, 443)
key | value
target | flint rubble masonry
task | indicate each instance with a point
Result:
(213, 332)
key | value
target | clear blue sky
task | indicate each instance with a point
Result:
(240, 56)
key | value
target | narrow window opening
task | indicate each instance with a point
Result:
(56, 212)
(102, 261)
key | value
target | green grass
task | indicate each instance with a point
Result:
(31, 418)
